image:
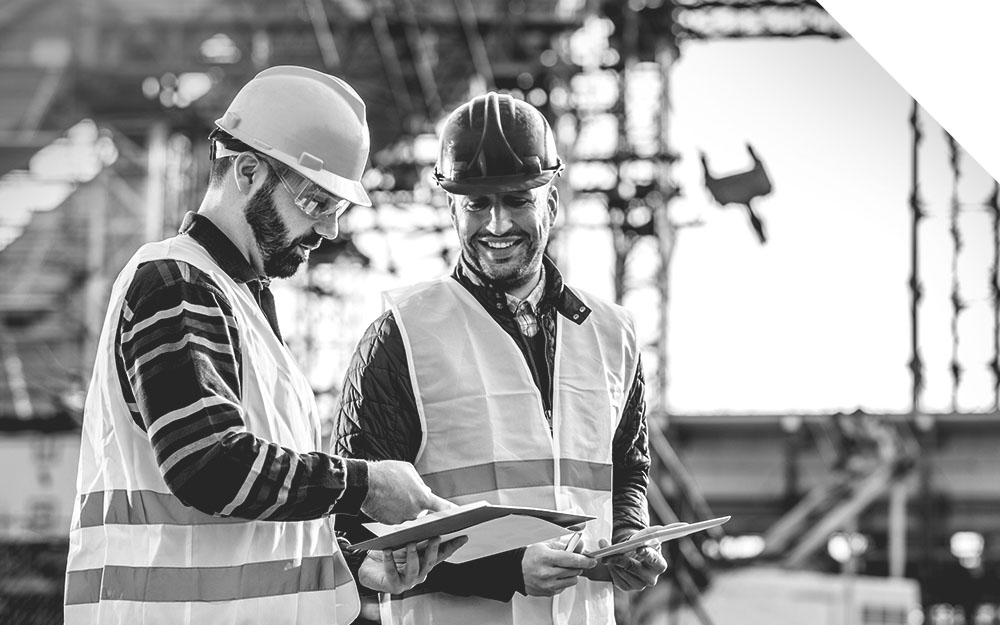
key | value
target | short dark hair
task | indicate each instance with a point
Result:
(221, 166)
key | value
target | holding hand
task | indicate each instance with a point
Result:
(400, 570)
(634, 570)
(396, 493)
(548, 569)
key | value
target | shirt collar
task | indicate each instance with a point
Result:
(532, 298)
(220, 247)
(552, 294)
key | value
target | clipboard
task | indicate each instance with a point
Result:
(479, 518)
(664, 534)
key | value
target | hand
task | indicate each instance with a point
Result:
(548, 569)
(396, 493)
(637, 569)
(400, 570)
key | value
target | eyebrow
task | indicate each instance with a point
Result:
(521, 195)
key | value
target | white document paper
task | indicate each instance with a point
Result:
(491, 529)
(503, 534)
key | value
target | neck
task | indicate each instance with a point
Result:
(230, 220)
(522, 291)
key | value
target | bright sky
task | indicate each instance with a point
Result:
(818, 319)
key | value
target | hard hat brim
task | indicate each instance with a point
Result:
(496, 184)
(346, 188)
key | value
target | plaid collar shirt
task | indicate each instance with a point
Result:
(524, 309)
(549, 294)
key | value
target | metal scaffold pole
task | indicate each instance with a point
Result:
(666, 232)
(156, 180)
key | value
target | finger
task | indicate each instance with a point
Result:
(389, 567)
(566, 573)
(430, 557)
(645, 553)
(450, 547)
(653, 561)
(555, 586)
(569, 560)
(412, 563)
(562, 583)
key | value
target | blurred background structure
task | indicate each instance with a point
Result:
(863, 491)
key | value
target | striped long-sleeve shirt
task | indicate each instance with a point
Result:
(179, 363)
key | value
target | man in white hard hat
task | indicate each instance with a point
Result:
(499, 382)
(202, 494)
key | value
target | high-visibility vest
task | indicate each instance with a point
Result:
(140, 556)
(485, 435)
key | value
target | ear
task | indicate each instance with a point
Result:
(553, 203)
(248, 168)
(451, 208)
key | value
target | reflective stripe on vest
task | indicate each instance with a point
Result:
(483, 479)
(249, 581)
(485, 435)
(139, 555)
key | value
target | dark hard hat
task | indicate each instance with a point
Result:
(495, 143)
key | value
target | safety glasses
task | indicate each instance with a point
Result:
(309, 197)
(312, 199)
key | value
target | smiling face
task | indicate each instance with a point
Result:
(503, 235)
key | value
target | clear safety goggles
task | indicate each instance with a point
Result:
(309, 197)
(312, 199)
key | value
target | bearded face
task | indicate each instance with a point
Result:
(282, 254)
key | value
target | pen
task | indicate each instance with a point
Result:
(573, 541)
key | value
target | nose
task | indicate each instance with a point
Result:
(499, 222)
(328, 227)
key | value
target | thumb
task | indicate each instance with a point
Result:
(437, 504)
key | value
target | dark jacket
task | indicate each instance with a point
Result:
(378, 420)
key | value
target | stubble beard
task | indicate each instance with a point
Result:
(512, 274)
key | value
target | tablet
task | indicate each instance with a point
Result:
(661, 535)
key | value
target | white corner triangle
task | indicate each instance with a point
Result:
(947, 57)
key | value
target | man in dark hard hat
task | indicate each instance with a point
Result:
(501, 383)
(202, 495)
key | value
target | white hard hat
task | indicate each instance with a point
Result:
(311, 121)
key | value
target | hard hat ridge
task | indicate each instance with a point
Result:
(497, 150)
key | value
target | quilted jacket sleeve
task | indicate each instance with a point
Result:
(377, 420)
(630, 458)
